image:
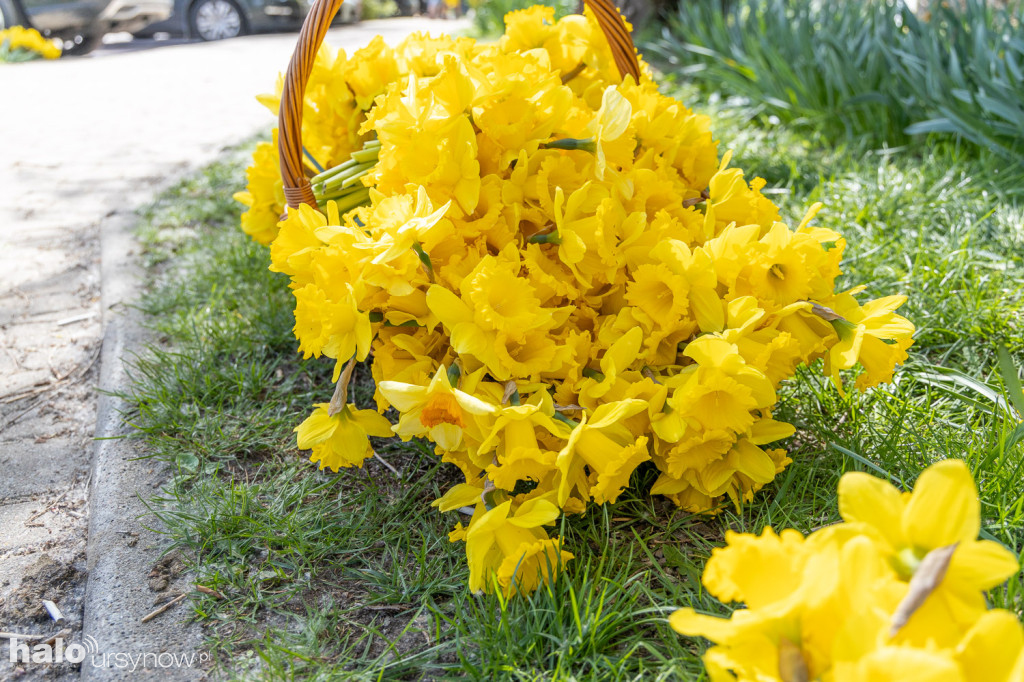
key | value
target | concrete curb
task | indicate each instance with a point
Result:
(121, 551)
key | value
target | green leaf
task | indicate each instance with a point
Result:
(187, 461)
(1011, 379)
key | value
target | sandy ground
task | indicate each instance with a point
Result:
(84, 141)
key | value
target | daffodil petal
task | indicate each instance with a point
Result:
(461, 495)
(316, 428)
(535, 513)
(372, 423)
(944, 507)
(686, 621)
(872, 501)
(990, 648)
(981, 565)
(404, 397)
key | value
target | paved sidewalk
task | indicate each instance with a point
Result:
(86, 142)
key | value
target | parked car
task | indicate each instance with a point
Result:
(81, 24)
(219, 19)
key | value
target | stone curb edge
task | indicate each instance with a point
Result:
(121, 549)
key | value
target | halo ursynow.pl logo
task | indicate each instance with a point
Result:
(55, 652)
(87, 652)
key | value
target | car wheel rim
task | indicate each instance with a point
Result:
(218, 19)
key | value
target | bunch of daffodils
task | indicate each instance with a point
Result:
(558, 281)
(894, 592)
(20, 44)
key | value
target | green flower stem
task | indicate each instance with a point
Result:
(364, 155)
(354, 178)
(360, 195)
(350, 201)
(571, 143)
(338, 192)
(332, 172)
(342, 184)
(340, 179)
(562, 418)
(547, 238)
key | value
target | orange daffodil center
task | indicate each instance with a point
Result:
(558, 280)
(436, 409)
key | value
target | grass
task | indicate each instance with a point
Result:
(351, 575)
(867, 73)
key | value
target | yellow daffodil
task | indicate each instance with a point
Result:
(341, 440)
(264, 194)
(607, 449)
(893, 593)
(336, 329)
(437, 410)
(512, 547)
(609, 125)
(873, 335)
(412, 226)
(28, 41)
(909, 527)
(518, 455)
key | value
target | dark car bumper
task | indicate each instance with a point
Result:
(132, 15)
(274, 15)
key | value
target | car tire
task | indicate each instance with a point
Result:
(9, 15)
(216, 20)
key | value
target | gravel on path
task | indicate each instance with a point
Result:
(88, 141)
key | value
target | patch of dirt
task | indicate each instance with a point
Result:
(45, 579)
(165, 571)
(50, 578)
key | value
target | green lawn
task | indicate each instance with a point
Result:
(351, 575)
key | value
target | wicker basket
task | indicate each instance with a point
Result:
(297, 189)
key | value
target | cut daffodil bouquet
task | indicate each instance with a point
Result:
(558, 281)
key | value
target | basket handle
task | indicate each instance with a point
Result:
(619, 40)
(297, 190)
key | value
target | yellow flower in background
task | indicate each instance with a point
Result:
(340, 440)
(896, 592)
(370, 71)
(19, 43)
